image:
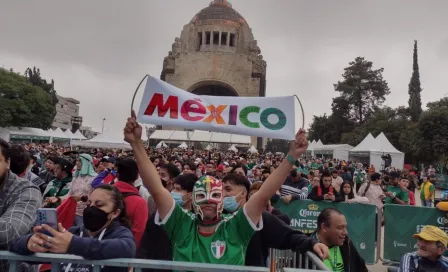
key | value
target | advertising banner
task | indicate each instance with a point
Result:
(164, 104)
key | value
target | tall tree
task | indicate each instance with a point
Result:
(363, 88)
(415, 100)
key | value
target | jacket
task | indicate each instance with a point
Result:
(105, 177)
(117, 242)
(318, 192)
(353, 262)
(155, 244)
(275, 234)
(136, 209)
(298, 190)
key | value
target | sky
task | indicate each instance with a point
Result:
(98, 51)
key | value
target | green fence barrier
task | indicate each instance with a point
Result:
(361, 220)
(441, 181)
(403, 221)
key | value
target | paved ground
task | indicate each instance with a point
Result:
(379, 267)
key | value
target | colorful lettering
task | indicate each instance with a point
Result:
(171, 104)
(244, 114)
(215, 113)
(281, 119)
(192, 106)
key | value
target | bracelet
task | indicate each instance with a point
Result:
(291, 159)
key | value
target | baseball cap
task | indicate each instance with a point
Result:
(220, 168)
(108, 159)
(432, 234)
(394, 174)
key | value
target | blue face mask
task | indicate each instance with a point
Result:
(230, 204)
(178, 198)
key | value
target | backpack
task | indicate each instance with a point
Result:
(367, 189)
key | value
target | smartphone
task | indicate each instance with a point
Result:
(48, 216)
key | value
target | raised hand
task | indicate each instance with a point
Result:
(299, 146)
(132, 131)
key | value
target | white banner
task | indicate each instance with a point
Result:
(166, 105)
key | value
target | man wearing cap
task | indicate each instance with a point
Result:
(60, 186)
(108, 175)
(432, 243)
(395, 193)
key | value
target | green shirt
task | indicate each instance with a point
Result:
(360, 176)
(226, 246)
(334, 261)
(425, 189)
(398, 193)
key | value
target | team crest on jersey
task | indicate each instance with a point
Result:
(218, 248)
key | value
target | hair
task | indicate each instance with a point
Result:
(293, 173)
(172, 169)
(256, 185)
(266, 171)
(153, 159)
(20, 159)
(324, 217)
(127, 170)
(351, 194)
(66, 166)
(53, 159)
(186, 181)
(192, 166)
(4, 149)
(118, 200)
(236, 166)
(325, 174)
(334, 172)
(238, 180)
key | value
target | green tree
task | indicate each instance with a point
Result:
(440, 103)
(320, 128)
(415, 100)
(22, 104)
(363, 88)
(34, 77)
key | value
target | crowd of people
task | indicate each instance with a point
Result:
(196, 205)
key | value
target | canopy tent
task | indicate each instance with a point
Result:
(161, 144)
(70, 134)
(233, 148)
(200, 136)
(58, 134)
(105, 140)
(79, 135)
(318, 144)
(253, 150)
(374, 149)
(209, 147)
(26, 133)
(310, 150)
(183, 145)
(337, 151)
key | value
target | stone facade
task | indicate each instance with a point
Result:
(217, 48)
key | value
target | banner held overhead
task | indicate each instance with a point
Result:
(164, 104)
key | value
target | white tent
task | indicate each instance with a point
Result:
(373, 149)
(59, 134)
(253, 150)
(183, 145)
(310, 150)
(200, 136)
(69, 134)
(79, 135)
(336, 151)
(209, 147)
(25, 133)
(161, 144)
(318, 144)
(233, 148)
(105, 140)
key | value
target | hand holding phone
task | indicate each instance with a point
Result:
(48, 216)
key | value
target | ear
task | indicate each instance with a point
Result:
(8, 162)
(115, 214)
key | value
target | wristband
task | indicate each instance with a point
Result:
(291, 159)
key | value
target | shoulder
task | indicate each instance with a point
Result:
(408, 257)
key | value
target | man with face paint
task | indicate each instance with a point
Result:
(275, 233)
(219, 239)
(155, 243)
(21, 200)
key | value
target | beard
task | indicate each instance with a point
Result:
(3, 178)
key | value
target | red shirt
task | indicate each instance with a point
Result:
(411, 198)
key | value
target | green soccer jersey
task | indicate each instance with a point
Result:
(398, 193)
(360, 176)
(226, 246)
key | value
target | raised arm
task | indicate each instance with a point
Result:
(257, 203)
(147, 170)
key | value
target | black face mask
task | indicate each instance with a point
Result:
(94, 218)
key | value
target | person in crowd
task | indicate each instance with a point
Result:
(60, 186)
(412, 179)
(427, 192)
(105, 234)
(239, 169)
(315, 181)
(325, 191)
(373, 191)
(108, 175)
(359, 176)
(295, 187)
(34, 165)
(20, 199)
(167, 173)
(348, 194)
(136, 207)
(432, 243)
(346, 175)
(270, 209)
(20, 159)
(82, 185)
(336, 180)
(332, 231)
(395, 194)
(155, 244)
(220, 171)
(207, 230)
(189, 168)
(404, 183)
(47, 175)
(265, 174)
(274, 234)
(210, 169)
(179, 165)
(256, 172)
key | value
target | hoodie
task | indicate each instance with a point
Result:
(117, 242)
(136, 209)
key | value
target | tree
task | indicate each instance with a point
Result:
(441, 103)
(415, 100)
(34, 77)
(363, 88)
(22, 104)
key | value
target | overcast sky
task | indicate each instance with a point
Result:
(97, 51)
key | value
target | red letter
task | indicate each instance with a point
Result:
(157, 102)
(187, 108)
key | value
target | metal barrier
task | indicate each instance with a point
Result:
(288, 259)
(137, 264)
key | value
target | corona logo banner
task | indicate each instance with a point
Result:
(164, 104)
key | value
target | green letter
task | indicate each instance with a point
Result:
(281, 119)
(244, 114)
